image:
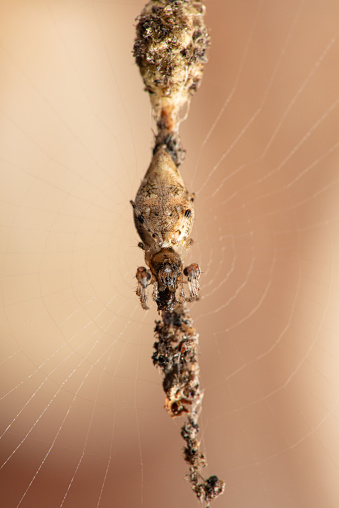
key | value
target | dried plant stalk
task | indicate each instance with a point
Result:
(170, 50)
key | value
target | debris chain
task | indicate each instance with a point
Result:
(170, 50)
(176, 354)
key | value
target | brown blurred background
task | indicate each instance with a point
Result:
(82, 406)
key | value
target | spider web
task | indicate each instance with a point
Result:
(82, 422)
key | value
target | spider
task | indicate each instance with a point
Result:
(163, 216)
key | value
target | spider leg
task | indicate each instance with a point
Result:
(143, 277)
(192, 273)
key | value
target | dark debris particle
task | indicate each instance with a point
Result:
(213, 488)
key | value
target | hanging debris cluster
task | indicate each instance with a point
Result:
(170, 50)
(176, 354)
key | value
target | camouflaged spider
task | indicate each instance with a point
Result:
(163, 216)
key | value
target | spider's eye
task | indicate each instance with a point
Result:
(141, 219)
(188, 213)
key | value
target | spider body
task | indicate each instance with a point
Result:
(163, 216)
(163, 208)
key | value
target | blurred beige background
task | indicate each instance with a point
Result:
(82, 419)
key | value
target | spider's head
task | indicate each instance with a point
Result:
(166, 266)
(167, 277)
